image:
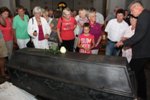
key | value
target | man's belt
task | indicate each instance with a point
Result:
(112, 41)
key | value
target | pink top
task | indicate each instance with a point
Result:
(7, 31)
(41, 34)
(86, 41)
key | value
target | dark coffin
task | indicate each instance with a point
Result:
(71, 76)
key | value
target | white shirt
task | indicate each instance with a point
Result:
(116, 30)
(99, 18)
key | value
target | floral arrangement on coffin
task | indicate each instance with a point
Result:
(55, 50)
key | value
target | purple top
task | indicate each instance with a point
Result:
(41, 34)
(96, 30)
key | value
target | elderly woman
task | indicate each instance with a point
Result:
(96, 30)
(39, 29)
(3, 50)
(65, 29)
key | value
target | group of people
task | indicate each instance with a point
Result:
(70, 29)
(40, 28)
(82, 33)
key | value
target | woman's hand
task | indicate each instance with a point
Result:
(119, 44)
(46, 36)
(96, 44)
(34, 33)
(60, 40)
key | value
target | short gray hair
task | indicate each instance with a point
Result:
(135, 2)
(37, 9)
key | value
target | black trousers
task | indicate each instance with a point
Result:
(137, 65)
(68, 44)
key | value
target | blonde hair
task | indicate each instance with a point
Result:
(45, 12)
(66, 11)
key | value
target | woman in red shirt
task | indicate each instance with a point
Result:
(7, 30)
(3, 51)
(65, 29)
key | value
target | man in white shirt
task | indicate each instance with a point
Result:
(115, 30)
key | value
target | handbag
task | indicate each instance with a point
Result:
(53, 37)
(30, 44)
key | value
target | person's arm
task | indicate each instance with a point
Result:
(14, 33)
(59, 29)
(14, 29)
(2, 21)
(93, 43)
(59, 37)
(75, 24)
(120, 43)
(47, 28)
(100, 37)
(98, 41)
(79, 44)
(31, 28)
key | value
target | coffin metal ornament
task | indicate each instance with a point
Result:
(71, 76)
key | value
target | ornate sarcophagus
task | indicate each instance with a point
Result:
(71, 76)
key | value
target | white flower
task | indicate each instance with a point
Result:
(63, 50)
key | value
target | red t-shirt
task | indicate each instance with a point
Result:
(86, 41)
(66, 28)
(7, 31)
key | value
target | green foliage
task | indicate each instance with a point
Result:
(53, 50)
